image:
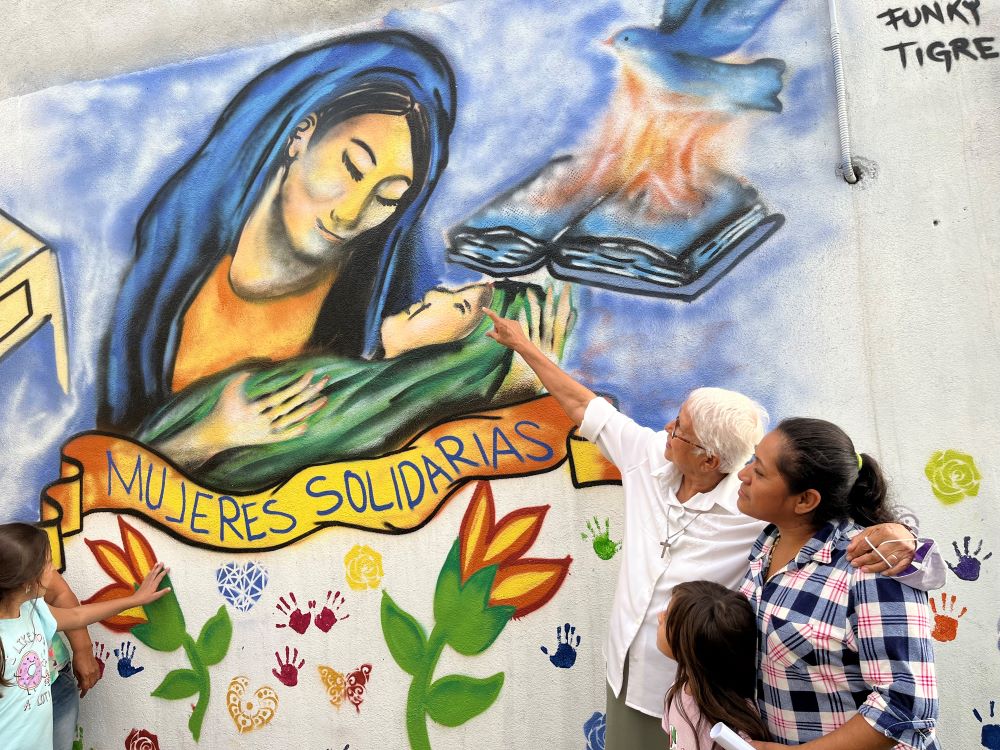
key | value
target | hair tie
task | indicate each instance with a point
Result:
(859, 460)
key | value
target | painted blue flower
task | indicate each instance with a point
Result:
(593, 730)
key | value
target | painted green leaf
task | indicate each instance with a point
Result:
(178, 684)
(473, 625)
(165, 630)
(404, 636)
(216, 633)
(449, 587)
(455, 699)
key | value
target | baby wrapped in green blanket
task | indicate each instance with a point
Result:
(251, 427)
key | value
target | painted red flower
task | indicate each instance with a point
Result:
(523, 583)
(127, 565)
(141, 739)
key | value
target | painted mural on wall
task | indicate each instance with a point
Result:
(261, 354)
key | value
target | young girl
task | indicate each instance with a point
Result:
(27, 625)
(710, 632)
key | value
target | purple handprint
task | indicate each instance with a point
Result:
(327, 617)
(297, 619)
(565, 654)
(969, 563)
(289, 674)
(990, 737)
(125, 652)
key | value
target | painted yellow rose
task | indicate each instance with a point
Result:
(363, 568)
(953, 476)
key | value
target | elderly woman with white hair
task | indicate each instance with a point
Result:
(681, 523)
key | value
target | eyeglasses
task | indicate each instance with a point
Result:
(673, 434)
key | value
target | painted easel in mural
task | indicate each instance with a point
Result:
(270, 375)
(30, 293)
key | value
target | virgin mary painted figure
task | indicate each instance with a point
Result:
(286, 233)
(264, 325)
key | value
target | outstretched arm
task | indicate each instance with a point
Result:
(571, 395)
(85, 667)
(87, 614)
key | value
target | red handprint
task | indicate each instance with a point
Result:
(101, 653)
(297, 619)
(945, 622)
(289, 674)
(327, 617)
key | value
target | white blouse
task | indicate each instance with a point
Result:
(665, 542)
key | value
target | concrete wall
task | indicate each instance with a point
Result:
(871, 305)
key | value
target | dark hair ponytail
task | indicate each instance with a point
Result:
(818, 455)
(24, 550)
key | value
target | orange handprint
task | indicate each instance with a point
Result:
(945, 624)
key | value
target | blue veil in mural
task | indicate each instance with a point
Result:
(197, 217)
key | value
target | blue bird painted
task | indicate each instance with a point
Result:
(712, 28)
(679, 52)
(753, 85)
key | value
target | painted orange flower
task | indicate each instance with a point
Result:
(523, 583)
(127, 565)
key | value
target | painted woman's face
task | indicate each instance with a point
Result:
(345, 182)
(442, 315)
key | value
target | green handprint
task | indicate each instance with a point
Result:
(604, 547)
(78, 742)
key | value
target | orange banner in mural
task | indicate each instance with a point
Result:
(395, 493)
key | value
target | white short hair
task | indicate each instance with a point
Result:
(728, 424)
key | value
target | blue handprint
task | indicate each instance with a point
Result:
(125, 652)
(969, 564)
(565, 655)
(990, 737)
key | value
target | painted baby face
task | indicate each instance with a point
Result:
(442, 315)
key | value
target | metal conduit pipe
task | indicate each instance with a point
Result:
(846, 164)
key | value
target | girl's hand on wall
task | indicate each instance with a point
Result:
(149, 590)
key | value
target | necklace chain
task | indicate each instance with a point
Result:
(672, 538)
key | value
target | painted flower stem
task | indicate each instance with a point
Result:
(416, 713)
(198, 666)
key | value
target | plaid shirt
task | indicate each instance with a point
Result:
(834, 641)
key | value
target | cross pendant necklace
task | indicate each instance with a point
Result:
(671, 539)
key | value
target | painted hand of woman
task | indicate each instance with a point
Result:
(149, 590)
(887, 549)
(280, 415)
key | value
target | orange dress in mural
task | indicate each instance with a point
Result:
(222, 329)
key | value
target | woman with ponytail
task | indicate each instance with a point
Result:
(844, 656)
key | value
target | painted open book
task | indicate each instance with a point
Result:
(613, 240)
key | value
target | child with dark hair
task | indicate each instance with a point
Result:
(27, 626)
(710, 632)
